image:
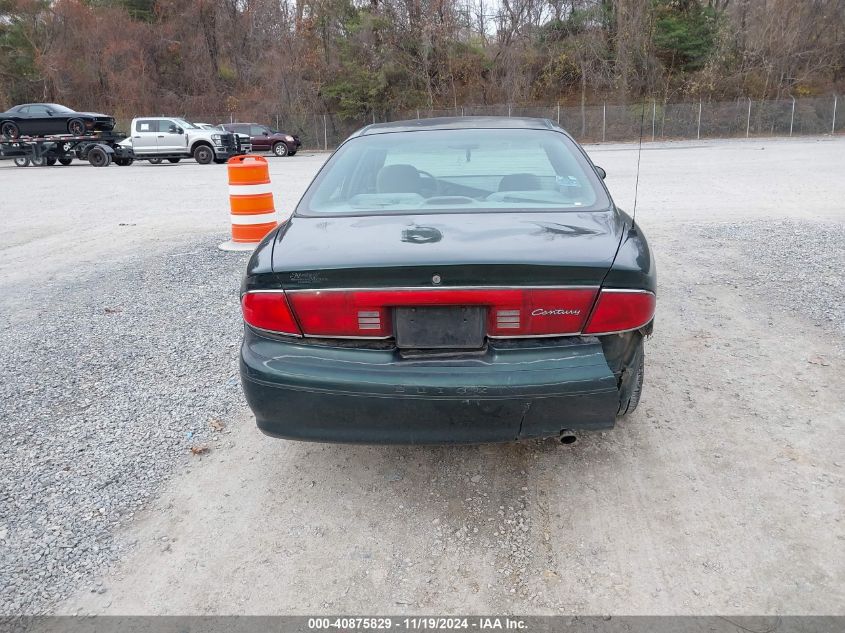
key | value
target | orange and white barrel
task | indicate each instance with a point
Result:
(252, 212)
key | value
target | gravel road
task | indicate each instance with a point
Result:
(722, 493)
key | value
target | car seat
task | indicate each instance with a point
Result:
(398, 178)
(520, 182)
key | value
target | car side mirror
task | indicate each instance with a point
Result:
(266, 133)
(601, 172)
(180, 130)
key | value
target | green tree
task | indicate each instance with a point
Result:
(684, 33)
(24, 36)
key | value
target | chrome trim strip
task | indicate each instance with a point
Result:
(277, 332)
(257, 292)
(630, 329)
(630, 290)
(365, 338)
(537, 335)
(435, 288)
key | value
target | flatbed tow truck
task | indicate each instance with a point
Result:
(100, 149)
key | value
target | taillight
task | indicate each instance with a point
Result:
(269, 311)
(620, 311)
(340, 313)
(540, 312)
(511, 312)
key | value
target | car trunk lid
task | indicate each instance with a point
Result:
(462, 249)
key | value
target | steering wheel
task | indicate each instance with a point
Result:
(430, 186)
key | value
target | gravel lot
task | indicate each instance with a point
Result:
(801, 274)
(108, 381)
(119, 327)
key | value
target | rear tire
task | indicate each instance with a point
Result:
(51, 160)
(76, 127)
(21, 161)
(629, 404)
(9, 129)
(65, 161)
(173, 160)
(155, 161)
(280, 149)
(38, 161)
(203, 154)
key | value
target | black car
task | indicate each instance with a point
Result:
(449, 280)
(39, 119)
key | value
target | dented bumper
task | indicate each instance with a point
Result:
(513, 390)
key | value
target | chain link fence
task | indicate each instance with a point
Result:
(592, 124)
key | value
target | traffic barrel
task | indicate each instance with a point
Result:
(252, 212)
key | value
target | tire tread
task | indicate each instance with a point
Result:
(629, 405)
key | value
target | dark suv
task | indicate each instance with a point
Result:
(266, 140)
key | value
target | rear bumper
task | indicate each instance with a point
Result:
(515, 390)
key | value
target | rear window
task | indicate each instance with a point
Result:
(455, 171)
(147, 125)
(60, 108)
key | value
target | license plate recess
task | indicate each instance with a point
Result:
(441, 327)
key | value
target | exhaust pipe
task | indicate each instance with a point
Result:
(567, 437)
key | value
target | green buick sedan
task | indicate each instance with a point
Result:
(453, 280)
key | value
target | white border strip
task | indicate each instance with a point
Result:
(250, 190)
(264, 218)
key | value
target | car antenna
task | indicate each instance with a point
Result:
(639, 155)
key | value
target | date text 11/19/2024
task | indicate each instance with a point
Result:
(479, 623)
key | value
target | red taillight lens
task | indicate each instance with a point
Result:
(621, 310)
(511, 311)
(540, 311)
(340, 313)
(269, 311)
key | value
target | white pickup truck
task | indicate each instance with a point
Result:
(170, 138)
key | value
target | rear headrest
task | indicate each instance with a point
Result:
(520, 182)
(398, 179)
